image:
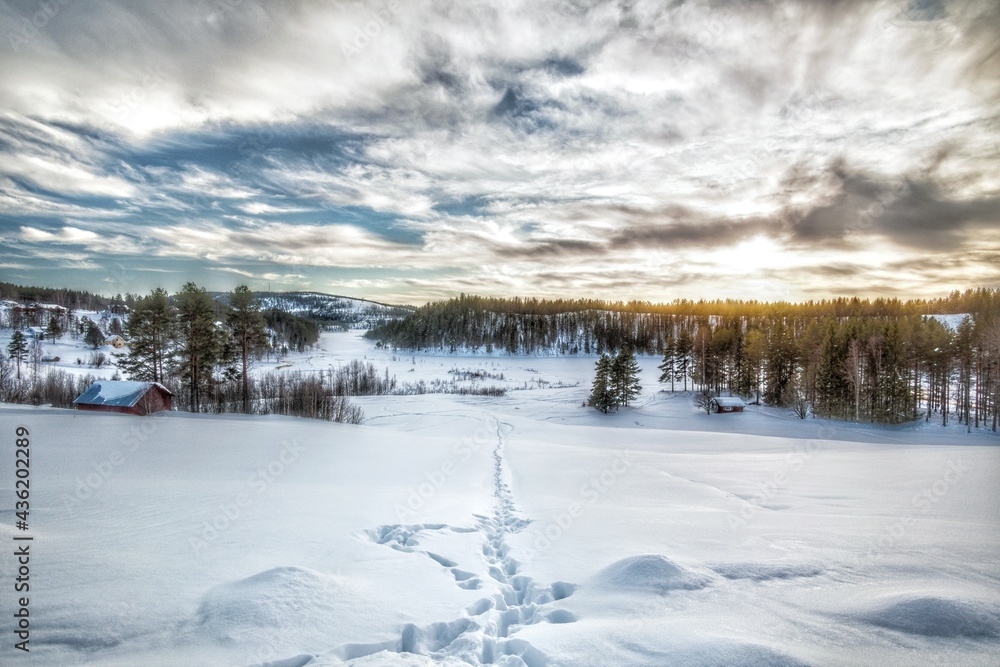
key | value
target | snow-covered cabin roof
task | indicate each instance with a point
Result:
(121, 393)
(729, 401)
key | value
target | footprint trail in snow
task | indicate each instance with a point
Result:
(486, 633)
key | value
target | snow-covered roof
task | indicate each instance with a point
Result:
(119, 393)
(729, 401)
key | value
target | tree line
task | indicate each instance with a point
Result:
(532, 326)
(67, 298)
(884, 360)
(877, 369)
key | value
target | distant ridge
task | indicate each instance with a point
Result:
(349, 312)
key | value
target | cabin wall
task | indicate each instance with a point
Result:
(155, 400)
(106, 408)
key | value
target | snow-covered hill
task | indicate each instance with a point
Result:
(338, 310)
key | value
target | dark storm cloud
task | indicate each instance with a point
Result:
(913, 210)
(551, 249)
(703, 234)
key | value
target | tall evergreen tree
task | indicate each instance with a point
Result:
(683, 349)
(625, 377)
(246, 325)
(900, 357)
(198, 340)
(53, 330)
(781, 361)
(703, 363)
(151, 330)
(18, 350)
(602, 393)
(990, 343)
(810, 345)
(750, 364)
(833, 393)
(93, 337)
(964, 337)
(669, 365)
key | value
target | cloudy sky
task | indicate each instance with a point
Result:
(411, 150)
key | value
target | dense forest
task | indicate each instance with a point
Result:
(333, 312)
(68, 298)
(881, 360)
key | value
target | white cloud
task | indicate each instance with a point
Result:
(282, 243)
(71, 235)
(61, 177)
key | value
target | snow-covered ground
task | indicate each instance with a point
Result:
(952, 321)
(523, 530)
(69, 354)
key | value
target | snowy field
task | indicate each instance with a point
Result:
(523, 530)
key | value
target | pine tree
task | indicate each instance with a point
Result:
(151, 330)
(198, 340)
(669, 366)
(702, 365)
(990, 342)
(94, 337)
(18, 350)
(781, 363)
(749, 362)
(601, 394)
(625, 377)
(683, 349)
(53, 330)
(246, 325)
(964, 337)
(900, 349)
(833, 392)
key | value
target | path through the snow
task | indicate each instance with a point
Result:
(486, 631)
